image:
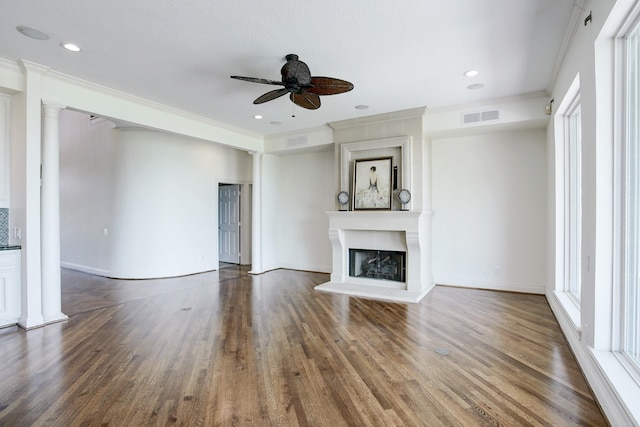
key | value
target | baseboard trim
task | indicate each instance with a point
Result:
(494, 286)
(85, 269)
(601, 370)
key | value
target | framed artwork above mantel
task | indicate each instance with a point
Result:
(372, 183)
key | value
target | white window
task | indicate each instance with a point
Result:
(568, 137)
(573, 200)
(630, 292)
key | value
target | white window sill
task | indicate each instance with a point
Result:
(625, 388)
(570, 310)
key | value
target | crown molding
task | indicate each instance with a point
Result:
(28, 66)
(145, 102)
(11, 77)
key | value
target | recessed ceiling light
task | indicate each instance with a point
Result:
(276, 123)
(471, 73)
(257, 117)
(361, 107)
(32, 32)
(475, 86)
(71, 47)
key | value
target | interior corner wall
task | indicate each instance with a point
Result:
(86, 199)
(297, 191)
(310, 180)
(137, 203)
(489, 199)
(272, 215)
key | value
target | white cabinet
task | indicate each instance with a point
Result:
(9, 287)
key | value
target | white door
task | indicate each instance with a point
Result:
(229, 223)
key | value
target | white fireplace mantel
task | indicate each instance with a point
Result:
(383, 230)
(376, 220)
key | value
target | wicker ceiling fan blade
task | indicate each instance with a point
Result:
(258, 80)
(269, 96)
(329, 86)
(307, 100)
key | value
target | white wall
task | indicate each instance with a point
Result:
(489, 199)
(297, 191)
(86, 199)
(273, 215)
(154, 193)
(309, 192)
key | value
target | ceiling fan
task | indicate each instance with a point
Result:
(303, 89)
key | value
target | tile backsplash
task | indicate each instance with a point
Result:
(4, 226)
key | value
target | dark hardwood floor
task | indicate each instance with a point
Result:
(225, 348)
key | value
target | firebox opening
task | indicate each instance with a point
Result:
(375, 264)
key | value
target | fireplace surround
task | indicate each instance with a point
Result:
(395, 231)
(404, 228)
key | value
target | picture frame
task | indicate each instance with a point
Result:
(372, 183)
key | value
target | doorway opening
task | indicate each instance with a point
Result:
(234, 222)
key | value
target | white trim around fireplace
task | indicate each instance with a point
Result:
(395, 230)
(399, 148)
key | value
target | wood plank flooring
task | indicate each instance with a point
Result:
(225, 348)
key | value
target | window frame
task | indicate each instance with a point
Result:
(568, 215)
(627, 117)
(573, 201)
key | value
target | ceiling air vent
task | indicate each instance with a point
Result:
(480, 116)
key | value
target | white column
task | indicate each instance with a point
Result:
(50, 216)
(256, 215)
(25, 168)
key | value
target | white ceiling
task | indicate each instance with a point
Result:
(399, 54)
